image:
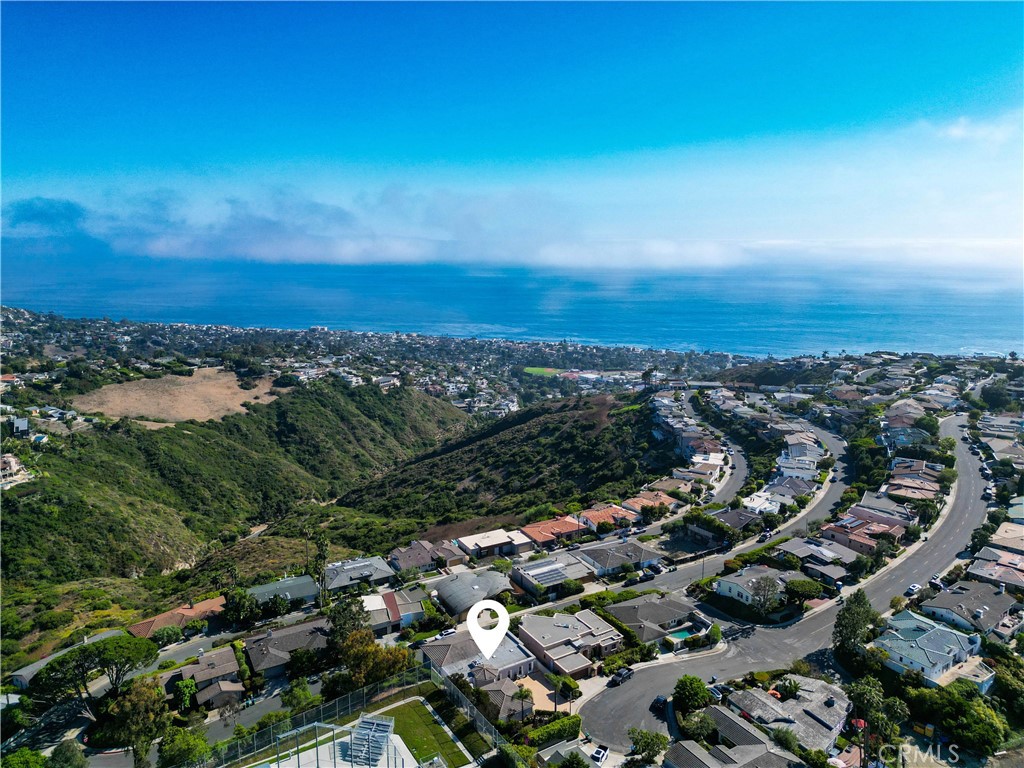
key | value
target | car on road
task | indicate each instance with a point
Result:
(937, 585)
(646, 577)
(659, 704)
(639, 530)
(730, 451)
(574, 547)
(764, 536)
(621, 676)
(912, 590)
(446, 633)
(655, 568)
(600, 754)
(631, 582)
(986, 496)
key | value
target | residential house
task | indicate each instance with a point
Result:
(418, 556)
(22, 678)
(653, 616)
(459, 654)
(392, 610)
(974, 606)
(941, 654)
(555, 755)
(650, 499)
(501, 694)
(816, 715)
(549, 533)
(459, 592)
(911, 489)
(492, 543)
(611, 558)
(205, 610)
(819, 558)
(738, 518)
(372, 571)
(761, 503)
(860, 532)
(1009, 536)
(291, 588)
(999, 567)
(805, 469)
(736, 744)
(542, 578)
(21, 428)
(215, 675)
(271, 651)
(740, 585)
(570, 644)
(612, 514)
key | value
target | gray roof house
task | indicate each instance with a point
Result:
(459, 654)
(609, 558)
(941, 654)
(739, 745)
(652, 616)
(22, 678)
(419, 555)
(290, 588)
(270, 652)
(817, 714)
(501, 692)
(364, 570)
(458, 593)
(974, 606)
(543, 577)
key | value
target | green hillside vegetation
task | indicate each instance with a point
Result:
(777, 374)
(121, 500)
(560, 452)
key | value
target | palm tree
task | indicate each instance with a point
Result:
(523, 695)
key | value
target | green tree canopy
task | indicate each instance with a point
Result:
(139, 717)
(119, 656)
(647, 745)
(67, 754)
(852, 624)
(690, 694)
(181, 746)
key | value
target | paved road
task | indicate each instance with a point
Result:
(774, 647)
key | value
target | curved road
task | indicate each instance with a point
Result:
(757, 648)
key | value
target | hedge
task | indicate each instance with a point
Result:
(563, 729)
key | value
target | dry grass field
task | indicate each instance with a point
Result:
(211, 393)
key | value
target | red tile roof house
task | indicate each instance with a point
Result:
(179, 617)
(547, 533)
(649, 499)
(860, 535)
(611, 513)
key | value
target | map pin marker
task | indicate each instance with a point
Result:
(487, 640)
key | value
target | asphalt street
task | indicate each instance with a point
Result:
(605, 716)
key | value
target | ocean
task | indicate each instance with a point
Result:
(761, 311)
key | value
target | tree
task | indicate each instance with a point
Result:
(296, 694)
(786, 739)
(366, 662)
(764, 593)
(800, 590)
(787, 688)
(25, 758)
(647, 745)
(240, 608)
(323, 551)
(346, 616)
(67, 755)
(166, 635)
(690, 694)
(181, 746)
(698, 726)
(570, 587)
(852, 624)
(139, 716)
(523, 695)
(118, 656)
(184, 693)
(277, 605)
(897, 603)
(996, 396)
(502, 565)
(303, 662)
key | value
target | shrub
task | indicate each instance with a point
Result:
(564, 729)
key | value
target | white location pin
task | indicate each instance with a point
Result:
(487, 639)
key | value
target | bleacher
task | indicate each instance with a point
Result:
(369, 740)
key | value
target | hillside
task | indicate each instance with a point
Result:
(121, 499)
(557, 452)
(778, 373)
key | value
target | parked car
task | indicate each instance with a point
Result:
(659, 704)
(640, 530)
(912, 590)
(716, 694)
(656, 568)
(621, 676)
(646, 577)
(574, 547)
(631, 582)
(600, 754)
(446, 633)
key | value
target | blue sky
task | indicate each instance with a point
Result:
(677, 136)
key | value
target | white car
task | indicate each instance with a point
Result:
(912, 590)
(600, 754)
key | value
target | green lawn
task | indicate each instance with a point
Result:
(423, 736)
(543, 371)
